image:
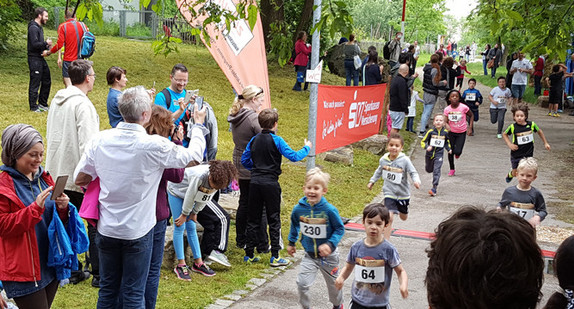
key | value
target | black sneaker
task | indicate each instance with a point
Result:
(203, 269)
(182, 272)
(508, 178)
(96, 282)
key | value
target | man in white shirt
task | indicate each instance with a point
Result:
(129, 164)
(520, 68)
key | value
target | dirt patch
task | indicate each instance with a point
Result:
(564, 163)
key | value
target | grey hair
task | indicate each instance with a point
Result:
(133, 102)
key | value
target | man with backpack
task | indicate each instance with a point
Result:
(70, 35)
(393, 49)
(172, 98)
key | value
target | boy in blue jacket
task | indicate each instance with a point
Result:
(472, 98)
(322, 229)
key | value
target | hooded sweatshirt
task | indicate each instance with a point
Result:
(322, 210)
(194, 189)
(72, 122)
(36, 42)
(244, 125)
(402, 166)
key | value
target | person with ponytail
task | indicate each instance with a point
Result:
(431, 81)
(244, 125)
(563, 269)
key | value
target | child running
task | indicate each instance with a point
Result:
(556, 95)
(322, 229)
(522, 134)
(523, 199)
(457, 114)
(460, 78)
(498, 97)
(435, 141)
(374, 259)
(394, 166)
(472, 98)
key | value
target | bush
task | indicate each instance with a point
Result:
(9, 16)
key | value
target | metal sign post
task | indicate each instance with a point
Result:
(311, 131)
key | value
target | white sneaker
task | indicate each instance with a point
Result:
(498, 135)
(218, 257)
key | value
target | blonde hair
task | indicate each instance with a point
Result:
(250, 92)
(317, 175)
(528, 164)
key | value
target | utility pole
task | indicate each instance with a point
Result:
(312, 129)
(403, 21)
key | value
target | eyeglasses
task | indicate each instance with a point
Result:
(180, 81)
(94, 75)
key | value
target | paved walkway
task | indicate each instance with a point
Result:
(479, 181)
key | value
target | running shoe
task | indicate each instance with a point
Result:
(254, 259)
(451, 173)
(37, 110)
(203, 269)
(182, 272)
(338, 307)
(43, 108)
(218, 257)
(508, 178)
(276, 262)
(560, 111)
(549, 113)
(456, 156)
(421, 134)
(556, 115)
(432, 192)
(498, 135)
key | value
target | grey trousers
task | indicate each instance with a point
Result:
(433, 165)
(497, 115)
(308, 272)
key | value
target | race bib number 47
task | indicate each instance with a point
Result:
(369, 271)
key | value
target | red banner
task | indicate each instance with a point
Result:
(347, 114)
(239, 52)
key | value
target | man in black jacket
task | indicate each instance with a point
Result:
(399, 102)
(39, 70)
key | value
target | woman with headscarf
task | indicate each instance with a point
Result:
(25, 214)
(244, 125)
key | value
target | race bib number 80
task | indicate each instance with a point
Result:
(393, 174)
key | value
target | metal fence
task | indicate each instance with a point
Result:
(142, 24)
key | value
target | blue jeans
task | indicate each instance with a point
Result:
(155, 265)
(430, 100)
(493, 71)
(176, 204)
(125, 264)
(517, 90)
(484, 62)
(351, 73)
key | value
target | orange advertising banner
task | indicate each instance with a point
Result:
(239, 52)
(347, 114)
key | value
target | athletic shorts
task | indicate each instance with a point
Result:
(514, 162)
(65, 66)
(393, 205)
(398, 119)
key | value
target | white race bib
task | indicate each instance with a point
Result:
(501, 100)
(525, 211)
(437, 141)
(471, 96)
(394, 175)
(370, 274)
(204, 197)
(316, 231)
(524, 138)
(454, 116)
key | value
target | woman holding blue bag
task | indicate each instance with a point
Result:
(302, 52)
(26, 212)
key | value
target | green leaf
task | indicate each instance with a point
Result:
(252, 17)
(514, 15)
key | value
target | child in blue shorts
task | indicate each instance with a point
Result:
(321, 230)
(373, 259)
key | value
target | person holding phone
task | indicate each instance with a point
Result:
(25, 214)
(175, 98)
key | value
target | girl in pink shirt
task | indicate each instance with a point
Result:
(457, 113)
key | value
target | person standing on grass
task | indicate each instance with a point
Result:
(351, 49)
(495, 54)
(129, 192)
(520, 68)
(39, 70)
(538, 73)
(72, 122)
(485, 58)
(556, 95)
(302, 52)
(117, 81)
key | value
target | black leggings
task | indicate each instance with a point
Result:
(456, 144)
(39, 300)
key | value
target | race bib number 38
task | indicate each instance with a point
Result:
(454, 116)
(313, 227)
(393, 174)
(369, 271)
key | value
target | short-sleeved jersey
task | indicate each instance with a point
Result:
(372, 294)
(520, 201)
(174, 106)
(500, 96)
(457, 118)
(523, 136)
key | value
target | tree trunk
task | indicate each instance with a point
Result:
(272, 11)
(305, 20)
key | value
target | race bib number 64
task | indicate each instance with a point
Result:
(369, 271)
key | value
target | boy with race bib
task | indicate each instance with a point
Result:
(373, 260)
(498, 97)
(472, 98)
(457, 114)
(522, 134)
(523, 199)
(394, 166)
(322, 229)
(435, 141)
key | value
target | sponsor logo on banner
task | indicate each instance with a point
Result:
(239, 51)
(347, 114)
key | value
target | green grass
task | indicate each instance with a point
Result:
(143, 69)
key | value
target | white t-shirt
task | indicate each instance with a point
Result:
(500, 96)
(520, 78)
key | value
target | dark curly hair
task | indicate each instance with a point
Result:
(563, 262)
(221, 173)
(481, 260)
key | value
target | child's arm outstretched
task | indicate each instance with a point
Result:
(403, 280)
(345, 273)
(378, 173)
(414, 174)
(289, 153)
(543, 138)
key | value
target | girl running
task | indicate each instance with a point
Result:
(456, 114)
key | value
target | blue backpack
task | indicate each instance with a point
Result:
(87, 44)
